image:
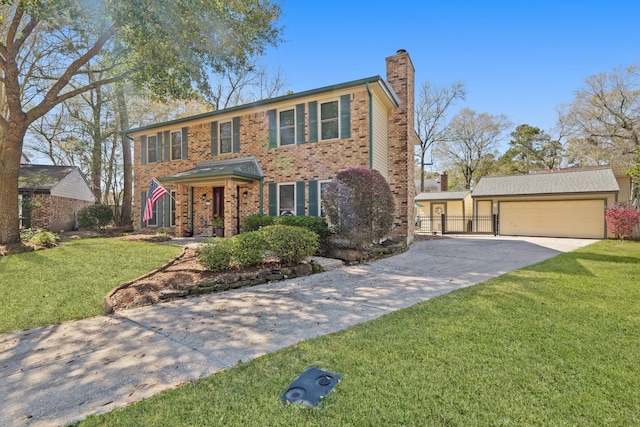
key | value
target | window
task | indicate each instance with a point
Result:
(176, 145)
(329, 120)
(286, 199)
(154, 219)
(323, 188)
(152, 149)
(225, 137)
(287, 127)
(172, 201)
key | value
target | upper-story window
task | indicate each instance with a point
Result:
(287, 127)
(225, 137)
(152, 149)
(329, 124)
(176, 145)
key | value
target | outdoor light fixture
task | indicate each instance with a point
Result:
(204, 196)
(246, 193)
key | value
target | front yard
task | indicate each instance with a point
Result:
(555, 343)
(70, 282)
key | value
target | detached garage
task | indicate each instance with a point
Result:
(566, 203)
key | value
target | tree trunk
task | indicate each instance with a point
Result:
(127, 186)
(96, 151)
(10, 151)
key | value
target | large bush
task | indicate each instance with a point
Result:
(95, 216)
(359, 206)
(291, 244)
(622, 220)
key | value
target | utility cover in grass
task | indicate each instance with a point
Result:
(310, 387)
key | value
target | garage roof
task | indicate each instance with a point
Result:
(442, 195)
(561, 182)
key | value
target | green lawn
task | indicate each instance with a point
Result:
(70, 281)
(557, 343)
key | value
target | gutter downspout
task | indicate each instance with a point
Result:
(370, 126)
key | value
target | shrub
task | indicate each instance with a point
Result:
(216, 253)
(317, 224)
(621, 220)
(254, 222)
(359, 205)
(248, 249)
(291, 244)
(44, 238)
(95, 216)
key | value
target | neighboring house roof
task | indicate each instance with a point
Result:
(62, 181)
(442, 195)
(243, 168)
(375, 83)
(561, 182)
(431, 183)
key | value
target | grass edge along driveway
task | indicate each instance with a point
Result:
(70, 281)
(555, 343)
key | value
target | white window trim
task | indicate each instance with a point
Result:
(293, 184)
(171, 143)
(230, 122)
(155, 138)
(320, 182)
(336, 100)
(295, 121)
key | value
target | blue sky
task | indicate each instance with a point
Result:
(518, 58)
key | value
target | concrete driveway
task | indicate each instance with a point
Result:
(62, 373)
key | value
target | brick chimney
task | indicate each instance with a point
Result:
(444, 182)
(402, 139)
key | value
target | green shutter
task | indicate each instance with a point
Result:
(143, 150)
(345, 116)
(313, 121)
(167, 210)
(185, 142)
(273, 199)
(167, 146)
(214, 138)
(143, 202)
(313, 198)
(159, 210)
(236, 134)
(273, 128)
(300, 124)
(300, 202)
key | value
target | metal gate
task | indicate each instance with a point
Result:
(456, 224)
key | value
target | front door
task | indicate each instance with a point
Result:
(438, 209)
(218, 202)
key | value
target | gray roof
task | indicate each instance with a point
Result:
(561, 182)
(442, 195)
(42, 177)
(244, 167)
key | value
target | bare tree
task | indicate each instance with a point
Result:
(604, 119)
(431, 111)
(471, 142)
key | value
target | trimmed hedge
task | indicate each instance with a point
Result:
(290, 244)
(317, 224)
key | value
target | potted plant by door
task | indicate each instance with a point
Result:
(218, 225)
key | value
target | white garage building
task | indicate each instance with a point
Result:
(565, 203)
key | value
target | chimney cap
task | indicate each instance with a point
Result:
(401, 51)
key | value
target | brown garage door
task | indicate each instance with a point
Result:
(570, 218)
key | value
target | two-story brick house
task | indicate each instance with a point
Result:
(274, 156)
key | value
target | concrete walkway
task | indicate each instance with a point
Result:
(59, 374)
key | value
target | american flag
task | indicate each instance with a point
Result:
(155, 192)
